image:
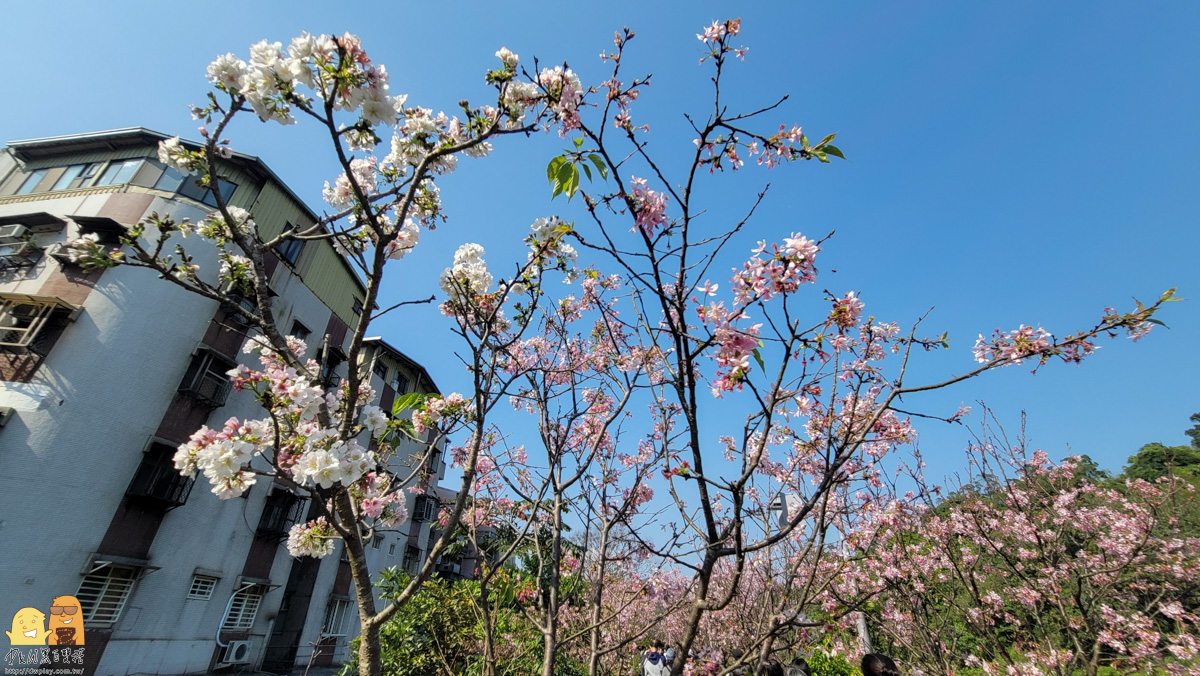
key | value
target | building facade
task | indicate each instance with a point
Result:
(103, 374)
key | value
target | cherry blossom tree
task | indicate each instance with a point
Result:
(1034, 566)
(676, 506)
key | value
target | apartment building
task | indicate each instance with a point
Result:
(103, 374)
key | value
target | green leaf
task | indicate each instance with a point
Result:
(758, 358)
(803, 141)
(820, 155)
(827, 139)
(587, 170)
(579, 142)
(600, 165)
(573, 182)
(834, 150)
(565, 171)
(552, 168)
(405, 402)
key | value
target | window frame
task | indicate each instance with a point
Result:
(243, 609)
(200, 366)
(299, 328)
(380, 366)
(401, 383)
(31, 182)
(290, 249)
(91, 603)
(37, 322)
(86, 174)
(133, 165)
(202, 587)
(281, 510)
(156, 480)
(334, 623)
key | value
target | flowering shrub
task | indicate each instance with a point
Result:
(1042, 570)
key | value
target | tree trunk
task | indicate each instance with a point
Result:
(369, 649)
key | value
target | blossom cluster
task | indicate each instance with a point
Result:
(468, 277)
(380, 501)
(776, 270)
(315, 538)
(224, 455)
(436, 408)
(88, 251)
(311, 453)
(649, 207)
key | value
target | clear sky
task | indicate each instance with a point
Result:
(1017, 162)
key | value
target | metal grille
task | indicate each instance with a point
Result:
(103, 594)
(281, 511)
(335, 618)
(206, 379)
(243, 609)
(18, 256)
(20, 322)
(424, 509)
(202, 587)
(156, 478)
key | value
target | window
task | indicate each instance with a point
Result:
(412, 560)
(119, 172)
(424, 508)
(401, 383)
(31, 323)
(243, 609)
(244, 306)
(282, 510)
(206, 379)
(103, 593)
(380, 370)
(202, 587)
(157, 481)
(358, 306)
(190, 187)
(333, 358)
(392, 549)
(169, 181)
(30, 183)
(335, 617)
(300, 331)
(76, 176)
(289, 250)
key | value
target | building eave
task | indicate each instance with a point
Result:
(110, 139)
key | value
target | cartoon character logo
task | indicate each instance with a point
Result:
(28, 628)
(66, 621)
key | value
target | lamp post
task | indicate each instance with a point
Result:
(783, 504)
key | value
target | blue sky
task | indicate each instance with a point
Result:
(1010, 162)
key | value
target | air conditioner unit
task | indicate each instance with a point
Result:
(12, 233)
(237, 652)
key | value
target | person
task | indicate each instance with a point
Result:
(774, 668)
(670, 655)
(799, 667)
(874, 664)
(654, 663)
(735, 655)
